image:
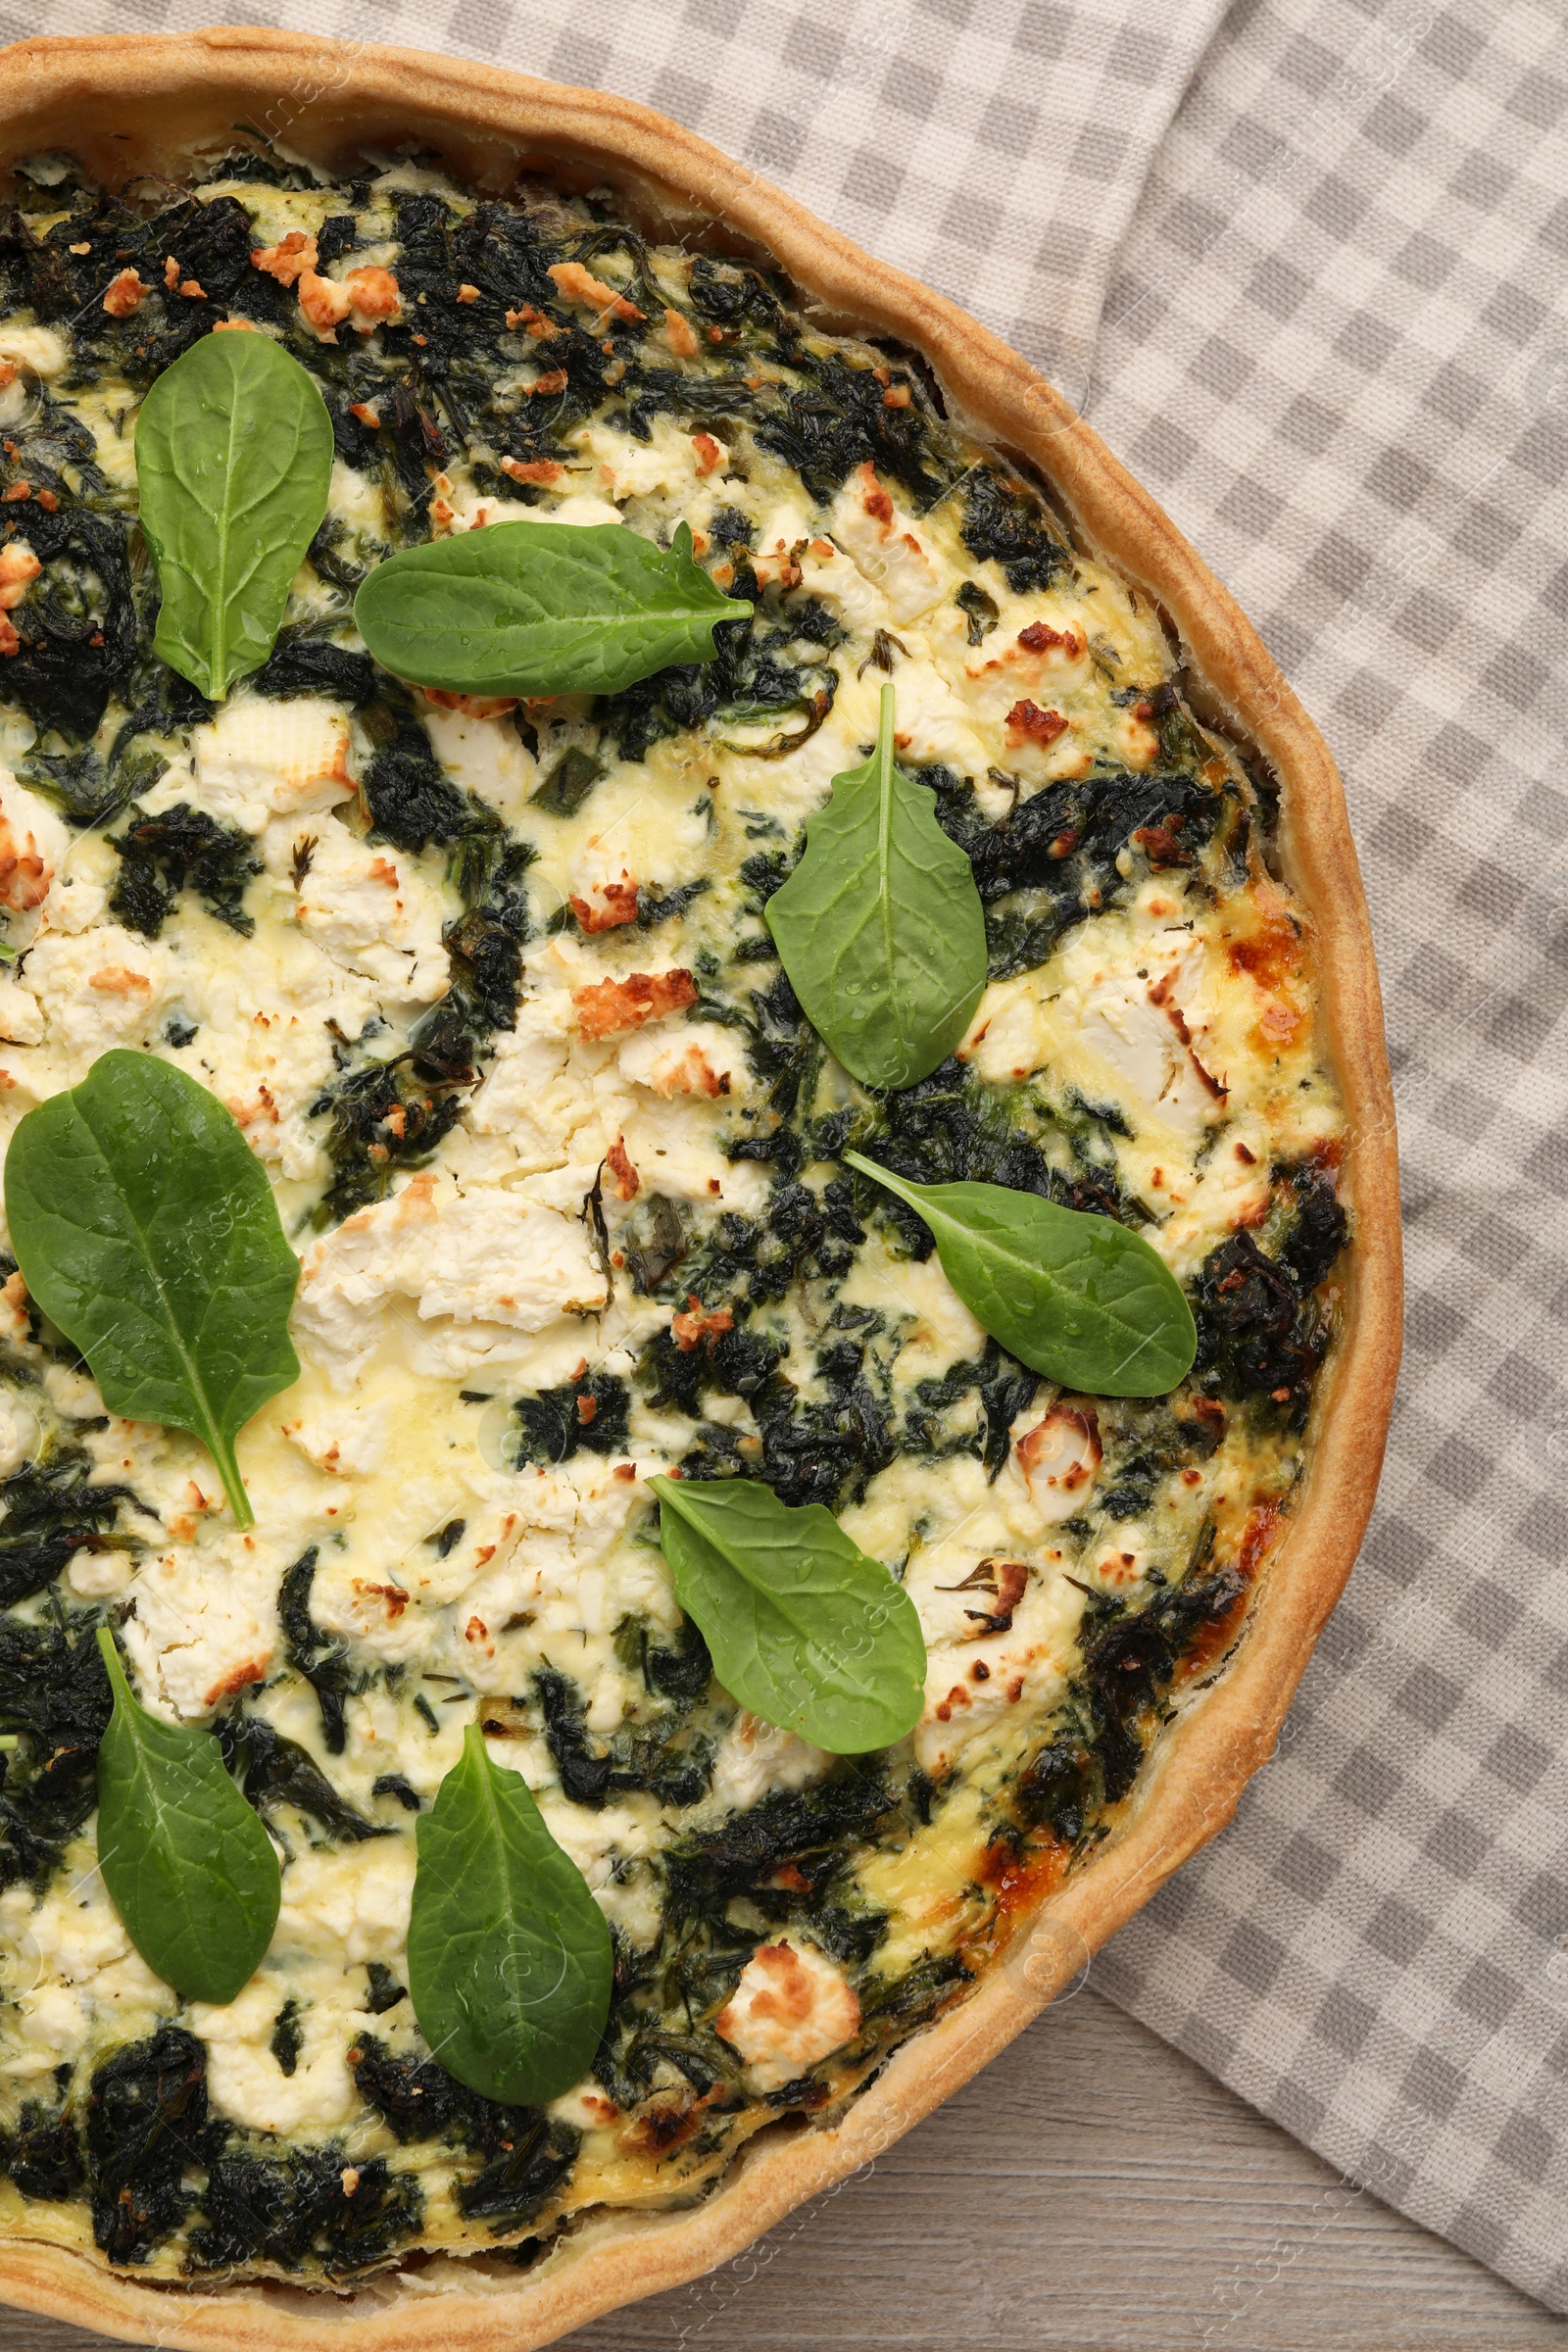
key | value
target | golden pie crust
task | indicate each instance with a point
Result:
(134, 104)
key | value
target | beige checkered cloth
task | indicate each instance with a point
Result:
(1304, 268)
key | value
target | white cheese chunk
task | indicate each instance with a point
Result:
(43, 348)
(483, 755)
(350, 1442)
(371, 909)
(625, 467)
(22, 1022)
(244, 2080)
(540, 1089)
(887, 546)
(484, 1262)
(703, 1058)
(791, 2009)
(104, 986)
(352, 1904)
(20, 1432)
(205, 1623)
(261, 759)
(757, 1758)
(33, 846)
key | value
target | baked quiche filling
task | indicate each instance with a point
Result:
(488, 986)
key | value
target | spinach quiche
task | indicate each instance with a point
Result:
(703, 1281)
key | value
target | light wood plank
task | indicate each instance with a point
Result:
(1093, 2189)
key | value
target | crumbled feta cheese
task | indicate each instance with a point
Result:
(758, 1757)
(703, 1058)
(885, 545)
(33, 846)
(244, 2080)
(19, 1432)
(791, 2009)
(483, 755)
(347, 1442)
(261, 759)
(367, 907)
(352, 1904)
(100, 1575)
(102, 988)
(22, 1022)
(206, 1620)
(477, 1259)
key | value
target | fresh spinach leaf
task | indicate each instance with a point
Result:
(509, 1960)
(233, 464)
(145, 1228)
(541, 609)
(805, 1629)
(1077, 1297)
(880, 926)
(189, 1866)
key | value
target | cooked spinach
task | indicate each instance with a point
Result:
(410, 799)
(287, 2036)
(146, 2128)
(1129, 1655)
(383, 1118)
(568, 781)
(309, 2209)
(1003, 523)
(817, 1831)
(79, 625)
(44, 2155)
(51, 1512)
(525, 2156)
(1054, 857)
(659, 1757)
(590, 1412)
(182, 848)
(276, 1772)
(1260, 1333)
(383, 1989)
(54, 1690)
(320, 1657)
(1005, 1387)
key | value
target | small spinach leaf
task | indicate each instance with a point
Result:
(805, 1629)
(541, 609)
(880, 926)
(509, 1960)
(234, 463)
(145, 1228)
(189, 1866)
(1077, 1297)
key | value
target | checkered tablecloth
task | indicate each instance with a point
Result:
(1303, 266)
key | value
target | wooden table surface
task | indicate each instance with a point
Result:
(1093, 2189)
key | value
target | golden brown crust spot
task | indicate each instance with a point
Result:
(288, 259)
(586, 292)
(697, 1324)
(126, 293)
(628, 1184)
(609, 1008)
